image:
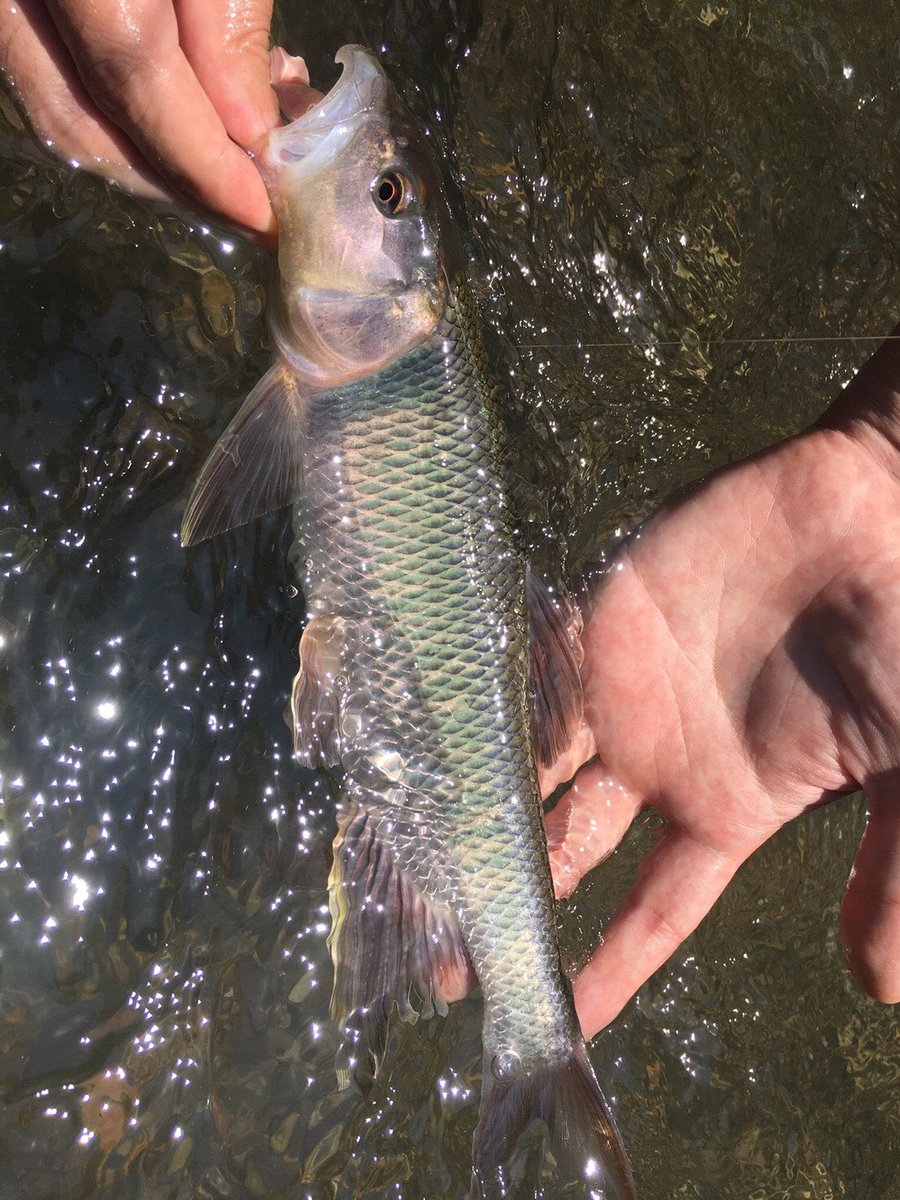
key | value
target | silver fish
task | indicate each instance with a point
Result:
(380, 421)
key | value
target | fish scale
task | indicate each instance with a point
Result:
(407, 534)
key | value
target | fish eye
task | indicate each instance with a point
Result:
(392, 193)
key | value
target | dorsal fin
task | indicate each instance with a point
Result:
(257, 463)
(556, 656)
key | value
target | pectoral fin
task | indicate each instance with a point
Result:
(556, 657)
(387, 942)
(255, 466)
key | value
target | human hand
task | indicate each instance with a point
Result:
(159, 95)
(741, 668)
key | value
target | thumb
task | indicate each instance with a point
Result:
(227, 44)
(870, 913)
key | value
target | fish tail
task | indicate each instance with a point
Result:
(583, 1139)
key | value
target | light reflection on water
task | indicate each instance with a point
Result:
(670, 180)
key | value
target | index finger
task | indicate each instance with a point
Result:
(132, 64)
(227, 44)
(680, 881)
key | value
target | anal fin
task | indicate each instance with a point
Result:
(388, 942)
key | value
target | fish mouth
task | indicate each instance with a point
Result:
(322, 124)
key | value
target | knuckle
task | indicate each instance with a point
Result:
(9, 37)
(119, 56)
(247, 30)
(117, 72)
(15, 64)
(664, 933)
(248, 39)
(68, 136)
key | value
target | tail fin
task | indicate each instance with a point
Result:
(584, 1140)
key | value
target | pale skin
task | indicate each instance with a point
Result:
(741, 654)
(741, 668)
(163, 96)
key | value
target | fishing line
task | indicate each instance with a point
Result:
(692, 343)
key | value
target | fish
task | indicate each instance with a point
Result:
(435, 669)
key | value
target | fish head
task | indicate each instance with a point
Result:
(364, 232)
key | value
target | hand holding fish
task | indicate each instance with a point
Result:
(159, 95)
(741, 669)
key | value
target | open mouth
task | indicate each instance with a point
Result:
(290, 81)
(319, 124)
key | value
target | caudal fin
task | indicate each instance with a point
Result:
(583, 1141)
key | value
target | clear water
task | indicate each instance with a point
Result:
(644, 187)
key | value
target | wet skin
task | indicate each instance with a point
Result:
(767, 607)
(158, 95)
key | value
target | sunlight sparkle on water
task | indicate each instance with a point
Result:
(80, 892)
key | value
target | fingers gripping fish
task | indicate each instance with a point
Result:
(379, 422)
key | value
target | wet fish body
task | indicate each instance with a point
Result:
(409, 545)
(414, 663)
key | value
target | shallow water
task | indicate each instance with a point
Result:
(644, 187)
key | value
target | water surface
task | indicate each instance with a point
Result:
(643, 187)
